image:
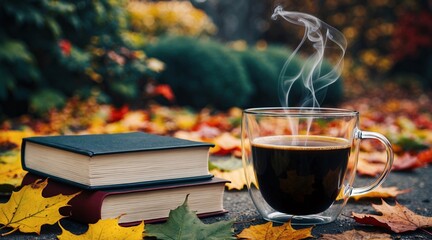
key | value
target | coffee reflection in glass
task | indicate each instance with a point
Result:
(300, 163)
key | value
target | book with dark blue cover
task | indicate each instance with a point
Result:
(115, 160)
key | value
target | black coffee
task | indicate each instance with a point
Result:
(300, 175)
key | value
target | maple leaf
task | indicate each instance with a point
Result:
(183, 223)
(268, 232)
(397, 218)
(356, 234)
(27, 210)
(236, 177)
(105, 229)
(382, 192)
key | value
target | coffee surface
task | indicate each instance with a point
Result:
(300, 175)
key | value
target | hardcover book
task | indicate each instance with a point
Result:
(151, 203)
(115, 160)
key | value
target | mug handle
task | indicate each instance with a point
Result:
(373, 135)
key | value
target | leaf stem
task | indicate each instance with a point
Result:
(7, 233)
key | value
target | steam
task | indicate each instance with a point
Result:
(325, 42)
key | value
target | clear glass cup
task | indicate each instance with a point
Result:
(300, 163)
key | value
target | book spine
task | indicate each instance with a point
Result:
(23, 146)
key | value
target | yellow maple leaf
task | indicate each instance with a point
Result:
(106, 229)
(382, 192)
(268, 232)
(236, 177)
(27, 210)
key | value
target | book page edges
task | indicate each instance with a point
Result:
(157, 204)
(55, 162)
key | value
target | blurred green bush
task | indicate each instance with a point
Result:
(202, 72)
(263, 69)
(206, 73)
(52, 50)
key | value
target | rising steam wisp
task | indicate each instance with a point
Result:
(327, 43)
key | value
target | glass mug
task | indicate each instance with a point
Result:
(300, 163)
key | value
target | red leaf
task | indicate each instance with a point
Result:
(65, 47)
(165, 91)
(425, 156)
(118, 114)
(406, 162)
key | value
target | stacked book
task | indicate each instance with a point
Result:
(137, 176)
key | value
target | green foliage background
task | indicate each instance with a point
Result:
(52, 50)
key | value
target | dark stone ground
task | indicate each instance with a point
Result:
(241, 209)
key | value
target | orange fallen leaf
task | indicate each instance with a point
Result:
(382, 192)
(356, 234)
(368, 168)
(165, 91)
(106, 229)
(397, 218)
(225, 144)
(27, 210)
(268, 232)
(372, 164)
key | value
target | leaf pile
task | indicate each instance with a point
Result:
(407, 123)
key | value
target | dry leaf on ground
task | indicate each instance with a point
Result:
(372, 164)
(225, 144)
(269, 232)
(382, 192)
(425, 156)
(106, 229)
(356, 234)
(236, 177)
(27, 210)
(397, 218)
(11, 172)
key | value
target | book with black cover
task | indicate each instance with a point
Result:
(115, 160)
(151, 203)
